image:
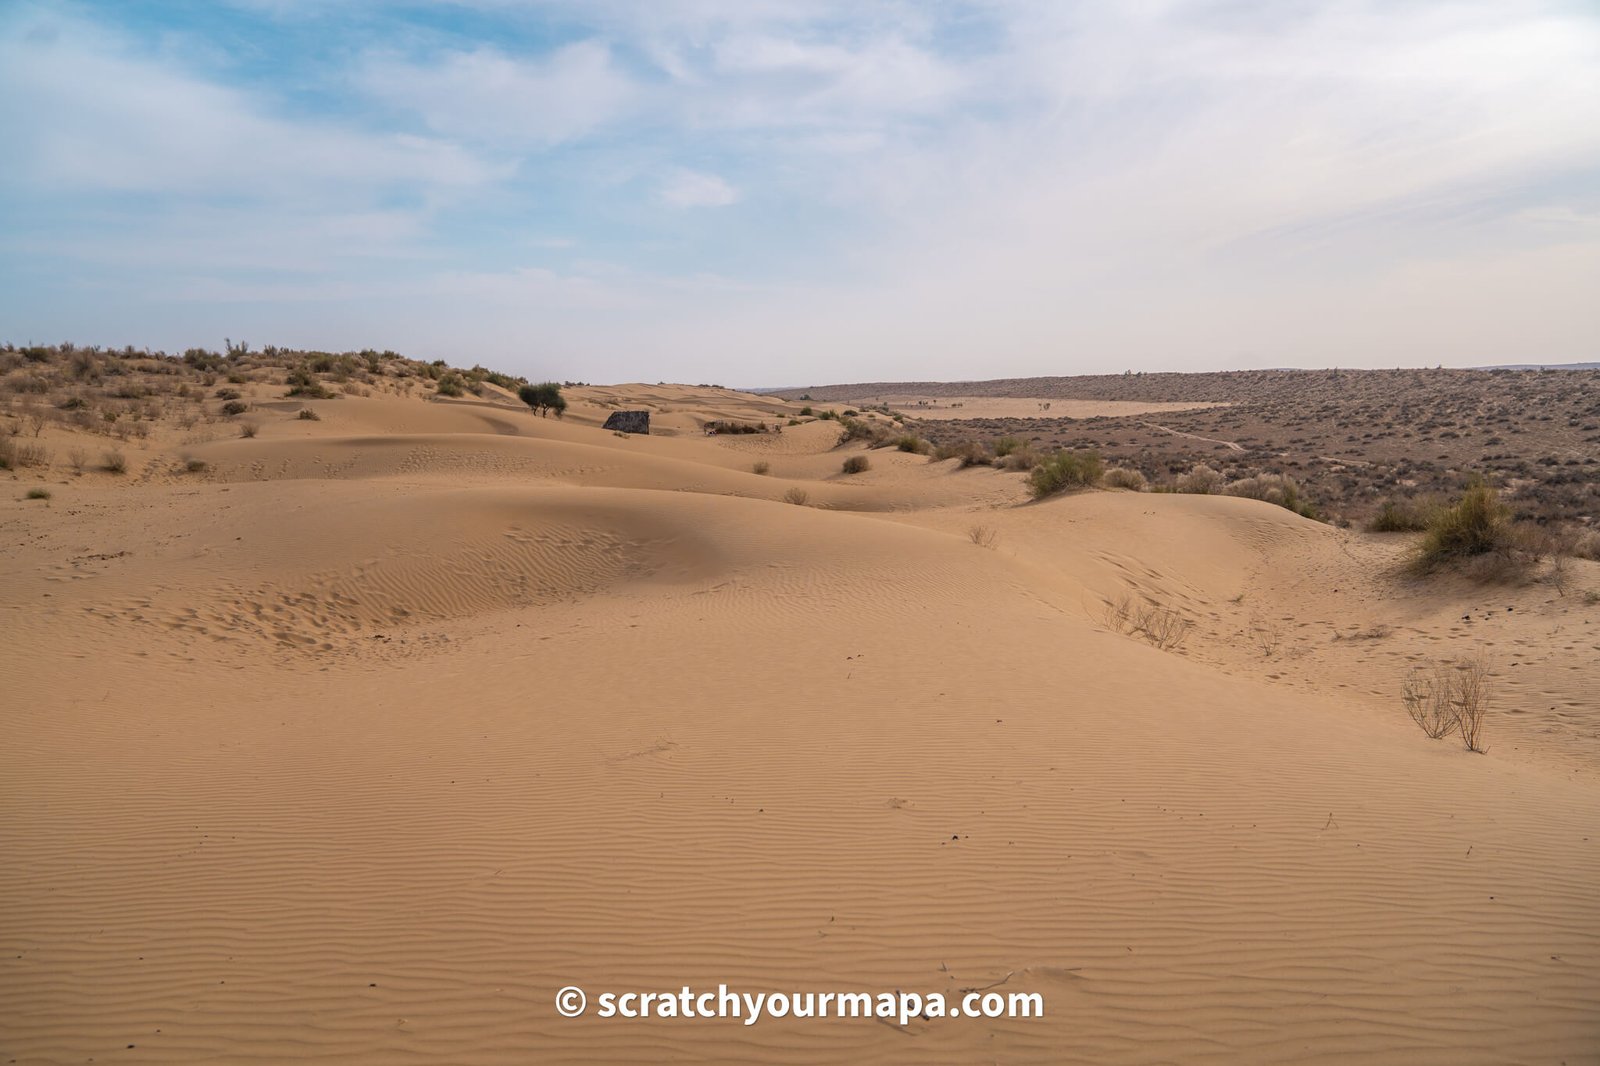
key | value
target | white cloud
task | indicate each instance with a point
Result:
(81, 110)
(486, 95)
(691, 188)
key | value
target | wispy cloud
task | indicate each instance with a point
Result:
(690, 188)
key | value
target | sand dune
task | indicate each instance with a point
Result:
(360, 743)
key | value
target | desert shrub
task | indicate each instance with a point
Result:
(735, 428)
(796, 496)
(1399, 516)
(1280, 489)
(248, 429)
(1163, 627)
(228, 394)
(194, 466)
(1445, 698)
(1586, 545)
(1476, 524)
(982, 536)
(308, 415)
(38, 494)
(805, 412)
(450, 385)
(969, 452)
(761, 467)
(544, 397)
(1023, 458)
(302, 382)
(1065, 470)
(78, 458)
(911, 443)
(1124, 477)
(114, 462)
(235, 407)
(16, 455)
(860, 429)
(1201, 480)
(1006, 445)
(856, 464)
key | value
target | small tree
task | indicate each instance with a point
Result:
(544, 398)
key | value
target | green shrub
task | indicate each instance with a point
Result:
(1065, 470)
(38, 494)
(1477, 524)
(1399, 516)
(969, 452)
(913, 444)
(856, 464)
(1006, 445)
(450, 385)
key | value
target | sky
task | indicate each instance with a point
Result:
(783, 192)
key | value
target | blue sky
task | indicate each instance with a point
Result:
(763, 193)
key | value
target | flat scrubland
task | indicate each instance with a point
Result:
(353, 709)
(1354, 439)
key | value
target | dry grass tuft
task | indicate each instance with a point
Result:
(983, 536)
(796, 496)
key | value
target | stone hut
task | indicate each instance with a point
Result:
(629, 421)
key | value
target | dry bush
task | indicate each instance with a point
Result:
(762, 467)
(115, 462)
(982, 536)
(248, 429)
(39, 494)
(308, 415)
(1165, 628)
(1586, 544)
(1279, 489)
(1444, 698)
(1267, 636)
(1124, 477)
(78, 458)
(1201, 480)
(1426, 694)
(856, 464)
(16, 455)
(1472, 694)
(796, 496)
